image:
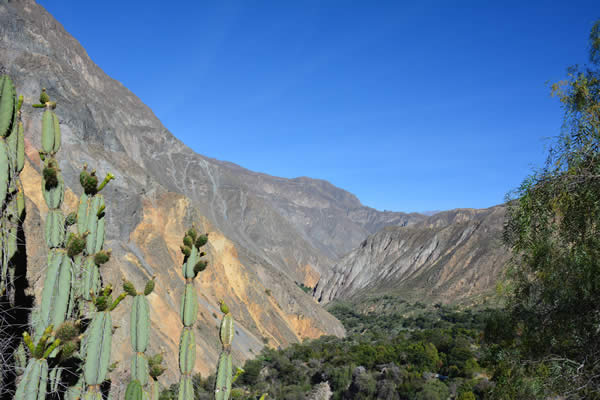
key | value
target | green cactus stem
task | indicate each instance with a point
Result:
(224, 377)
(225, 367)
(140, 324)
(56, 292)
(34, 381)
(187, 351)
(134, 391)
(139, 368)
(98, 349)
(107, 179)
(188, 314)
(7, 105)
(4, 171)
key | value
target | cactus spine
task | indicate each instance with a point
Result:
(192, 265)
(12, 200)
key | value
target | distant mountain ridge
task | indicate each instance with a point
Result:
(450, 256)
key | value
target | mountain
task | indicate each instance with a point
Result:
(449, 257)
(265, 232)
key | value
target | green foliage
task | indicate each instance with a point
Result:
(393, 361)
(552, 228)
(305, 289)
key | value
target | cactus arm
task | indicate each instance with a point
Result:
(28, 342)
(238, 372)
(51, 348)
(107, 179)
(117, 301)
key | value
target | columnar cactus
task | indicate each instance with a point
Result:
(57, 291)
(98, 342)
(225, 366)
(192, 265)
(12, 200)
(144, 370)
(87, 244)
(62, 342)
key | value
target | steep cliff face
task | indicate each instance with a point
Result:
(448, 257)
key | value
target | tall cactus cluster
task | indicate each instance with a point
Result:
(144, 369)
(86, 246)
(71, 290)
(72, 329)
(192, 265)
(53, 344)
(12, 200)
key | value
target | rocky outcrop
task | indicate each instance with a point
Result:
(450, 256)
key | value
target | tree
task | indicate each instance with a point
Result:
(553, 229)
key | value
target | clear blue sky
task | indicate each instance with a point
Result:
(412, 106)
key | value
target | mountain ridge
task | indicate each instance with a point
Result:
(449, 257)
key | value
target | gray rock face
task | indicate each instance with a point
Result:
(449, 256)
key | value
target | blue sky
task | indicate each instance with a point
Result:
(412, 106)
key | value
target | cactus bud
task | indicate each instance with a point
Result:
(156, 359)
(200, 266)
(68, 349)
(188, 241)
(90, 184)
(223, 306)
(44, 98)
(50, 176)
(201, 241)
(101, 257)
(71, 219)
(83, 175)
(101, 303)
(192, 233)
(107, 290)
(156, 371)
(149, 287)
(68, 330)
(129, 288)
(186, 250)
(75, 245)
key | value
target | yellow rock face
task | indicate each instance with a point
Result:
(267, 308)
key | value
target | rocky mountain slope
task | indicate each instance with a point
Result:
(450, 256)
(266, 232)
